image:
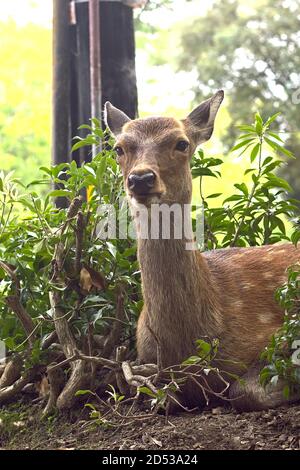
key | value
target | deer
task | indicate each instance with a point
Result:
(228, 293)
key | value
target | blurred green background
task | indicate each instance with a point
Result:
(185, 51)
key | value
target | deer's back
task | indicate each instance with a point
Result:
(246, 279)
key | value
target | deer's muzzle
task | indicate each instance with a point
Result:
(141, 184)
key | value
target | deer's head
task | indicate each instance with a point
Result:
(154, 153)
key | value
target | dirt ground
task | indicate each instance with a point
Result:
(216, 429)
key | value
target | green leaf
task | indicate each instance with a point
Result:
(211, 196)
(276, 182)
(258, 123)
(203, 347)
(25, 202)
(245, 136)
(78, 145)
(267, 160)
(234, 197)
(242, 187)
(286, 392)
(60, 193)
(254, 152)
(91, 406)
(37, 182)
(147, 391)
(242, 144)
(56, 170)
(202, 172)
(83, 392)
(278, 148)
(100, 172)
(272, 166)
(271, 119)
(280, 225)
(112, 249)
(295, 237)
(191, 360)
(46, 170)
(96, 123)
(249, 170)
(264, 375)
(214, 161)
(275, 136)
(250, 129)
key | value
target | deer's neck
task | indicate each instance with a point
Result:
(179, 294)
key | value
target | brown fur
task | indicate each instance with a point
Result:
(226, 294)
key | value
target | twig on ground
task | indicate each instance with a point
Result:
(121, 382)
(56, 381)
(68, 343)
(7, 393)
(136, 380)
(12, 371)
(78, 378)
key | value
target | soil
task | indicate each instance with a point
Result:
(216, 429)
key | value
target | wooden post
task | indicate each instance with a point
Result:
(95, 63)
(80, 59)
(61, 82)
(72, 103)
(118, 78)
(95, 59)
(118, 57)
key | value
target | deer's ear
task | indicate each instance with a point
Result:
(201, 120)
(114, 118)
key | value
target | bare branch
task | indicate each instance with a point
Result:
(14, 303)
(68, 343)
(50, 339)
(7, 393)
(12, 372)
(121, 382)
(56, 380)
(115, 335)
(80, 226)
(136, 380)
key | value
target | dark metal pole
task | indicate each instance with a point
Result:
(118, 56)
(95, 60)
(61, 82)
(117, 64)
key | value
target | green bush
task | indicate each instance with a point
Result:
(93, 271)
(255, 214)
(283, 353)
(29, 234)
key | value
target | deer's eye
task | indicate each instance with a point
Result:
(119, 151)
(182, 145)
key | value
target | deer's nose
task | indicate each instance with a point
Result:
(142, 183)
